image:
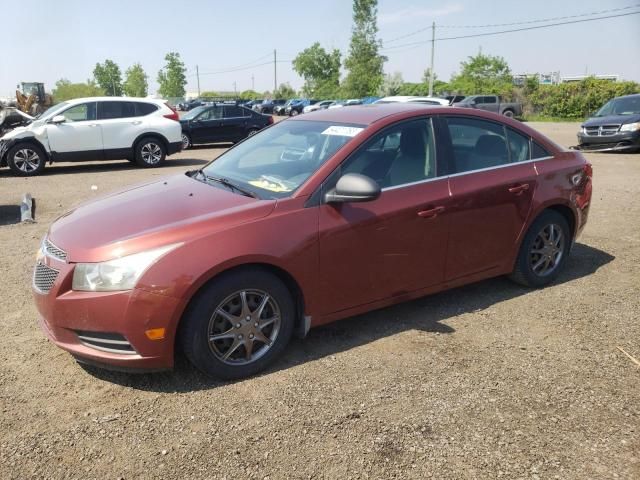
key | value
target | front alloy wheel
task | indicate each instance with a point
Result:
(186, 141)
(26, 160)
(238, 324)
(244, 326)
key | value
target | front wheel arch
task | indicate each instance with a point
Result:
(290, 282)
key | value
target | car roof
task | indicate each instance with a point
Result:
(367, 114)
(114, 99)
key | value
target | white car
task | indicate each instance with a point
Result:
(317, 106)
(141, 130)
(412, 99)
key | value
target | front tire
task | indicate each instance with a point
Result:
(150, 152)
(544, 251)
(293, 113)
(186, 141)
(26, 159)
(238, 325)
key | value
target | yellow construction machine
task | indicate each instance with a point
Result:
(32, 99)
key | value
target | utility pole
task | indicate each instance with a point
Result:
(275, 71)
(433, 47)
(253, 83)
(235, 89)
(198, 77)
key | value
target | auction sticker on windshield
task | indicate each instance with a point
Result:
(342, 131)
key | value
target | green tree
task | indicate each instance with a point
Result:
(109, 78)
(364, 63)
(320, 70)
(483, 74)
(285, 91)
(65, 90)
(391, 85)
(172, 78)
(135, 82)
(249, 95)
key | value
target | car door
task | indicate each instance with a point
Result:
(234, 123)
(393, 245)
(120, 127)
(490, 103)
(492, 185)
(79, 137)
(207, 127)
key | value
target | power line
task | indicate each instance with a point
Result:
(527, 22)
(247, 64)
(486, 34)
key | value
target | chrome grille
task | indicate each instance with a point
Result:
(602, 130)
(44, 277)
(106, 342)
(53, 251)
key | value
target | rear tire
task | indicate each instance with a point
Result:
(150, 152)
(252, 132)
(26, 159)
(231, 308)
(544, 251)
(293, 113)
(508, 113)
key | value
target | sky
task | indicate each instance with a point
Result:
(47, 40)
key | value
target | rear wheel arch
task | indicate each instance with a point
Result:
(158, 136)
(568, 215)
(290, 282)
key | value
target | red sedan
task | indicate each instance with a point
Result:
(314, 219)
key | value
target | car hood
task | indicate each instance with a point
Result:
(611, 119)
(175, 209)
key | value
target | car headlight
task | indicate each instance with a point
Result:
(119, 274)
(630, 127)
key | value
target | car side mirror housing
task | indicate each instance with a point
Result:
(58, 119)
(353, 187)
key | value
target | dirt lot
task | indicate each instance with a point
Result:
(486, 381)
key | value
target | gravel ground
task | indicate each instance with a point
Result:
(485, 381)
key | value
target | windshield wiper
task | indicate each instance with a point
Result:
(229, 184)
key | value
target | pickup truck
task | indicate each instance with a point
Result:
(492, 103)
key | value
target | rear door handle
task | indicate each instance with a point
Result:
(136, 122)
(431, 212)
(519, 189)
(93, 125)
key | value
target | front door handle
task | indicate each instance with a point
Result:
(93, 125)
(519, 189)
(431, 212)
(136, 122)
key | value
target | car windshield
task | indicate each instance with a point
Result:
(276, 161)
(51, 111)
(193, 113)
(620, 106)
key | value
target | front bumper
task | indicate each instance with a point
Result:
(67, 317)
(618, 142)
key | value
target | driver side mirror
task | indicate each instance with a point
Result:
(353, 187)
(58, 119)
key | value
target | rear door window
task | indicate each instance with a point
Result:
(518, 146)
(233, 111)
(477, 144)
(537, 151)
(112, 110)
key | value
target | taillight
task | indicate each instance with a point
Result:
(172, 116)
(270, 120)
(588, 170)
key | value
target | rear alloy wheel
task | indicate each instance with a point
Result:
(238, 325)
(508, 113)
(186, 141)
(543, 251)
(150, 152)
(26, 160)
(252, 132)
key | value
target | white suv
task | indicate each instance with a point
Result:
(141, 130)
